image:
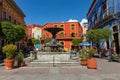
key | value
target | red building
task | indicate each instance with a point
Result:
(71, 30)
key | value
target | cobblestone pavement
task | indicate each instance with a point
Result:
(105, 71)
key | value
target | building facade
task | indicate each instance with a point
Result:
(9, 11)
(70, 31)
(34, 31)
(106, 13)
(85, 29)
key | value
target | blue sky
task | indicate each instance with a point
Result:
(46, 11)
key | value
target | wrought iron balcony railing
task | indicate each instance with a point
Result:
(58, 36)
(106, 16)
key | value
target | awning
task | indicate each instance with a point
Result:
(85, 44)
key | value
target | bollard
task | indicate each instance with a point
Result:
(53, 61)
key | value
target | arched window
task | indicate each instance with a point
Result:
(72, 34)
(62, 26)
(72, 26)
(61, 34)
(55, 26)
(62, 43)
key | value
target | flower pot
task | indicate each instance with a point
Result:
(9, 64)
(83, 63)
(21, 64)
(92, 64)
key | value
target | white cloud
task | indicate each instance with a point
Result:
(72, 20)
(83, 21)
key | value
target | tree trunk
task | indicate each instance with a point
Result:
(98, 50)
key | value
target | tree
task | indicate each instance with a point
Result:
(20, 30)
(99, 34)
(47, 40)
(34, 41)
(12, 32)
(106, 32)
(75, 42)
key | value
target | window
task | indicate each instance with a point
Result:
(55, 26)
(18, 23)
(62, 43)
(15, 21)
(38, 37)
(91, 22)
(72, 26)
(115, 29)
(61, 34)
(62, 26)
(95, 17)
(72, 34)
(104, 9)
(4, 16)
(33, 35)
(10, 18)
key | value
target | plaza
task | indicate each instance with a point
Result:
(52, 50)
(105, 71)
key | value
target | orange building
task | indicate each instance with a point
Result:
(71, 30)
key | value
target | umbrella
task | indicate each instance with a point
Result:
(85, 44)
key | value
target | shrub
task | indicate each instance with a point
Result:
(9, 50)
(83, 55)
(20, 56)
(91, 52)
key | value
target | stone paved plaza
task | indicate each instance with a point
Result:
(105, 71)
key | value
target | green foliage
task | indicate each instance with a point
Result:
(9, 50)
(34, 41)
(20, 56)
(75, 41)
(99, 34)
(95, 35)
(12, 32)
(91, 52)
(83, 55)
(20, 30)
(106, 32)
(47, 40)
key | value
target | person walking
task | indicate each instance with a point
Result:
(111, 52)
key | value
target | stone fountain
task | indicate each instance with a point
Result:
(54, 52)
(53, 45)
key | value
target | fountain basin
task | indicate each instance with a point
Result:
(49, 56)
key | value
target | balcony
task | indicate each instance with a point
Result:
(105, 17)
(65, 36)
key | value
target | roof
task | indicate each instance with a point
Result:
(93, 3)
(15, 6)
(59, 23)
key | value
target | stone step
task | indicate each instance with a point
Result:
(44, 65)
(56, 61)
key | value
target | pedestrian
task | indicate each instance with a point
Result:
(111, 52)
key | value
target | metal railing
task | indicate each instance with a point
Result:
(107, 15)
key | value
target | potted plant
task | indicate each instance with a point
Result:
(21, 61)
(83, 57)
(9, 51)
(92, 63)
